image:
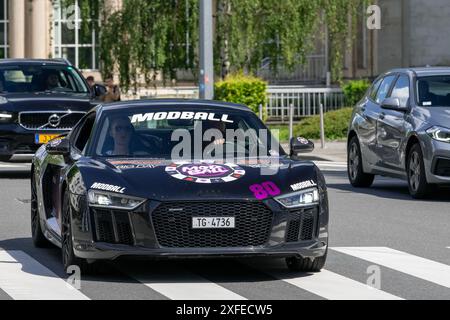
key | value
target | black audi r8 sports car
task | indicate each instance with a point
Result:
(177, 179)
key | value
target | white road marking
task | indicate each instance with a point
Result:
(331, 166)
(418, 267)
(183, 285)
(332, 286)
(23, 278)
(9, 166)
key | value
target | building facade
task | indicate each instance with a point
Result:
(412, 34)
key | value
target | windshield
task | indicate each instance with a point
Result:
(181, 133)
(434, 91)
(40, 78)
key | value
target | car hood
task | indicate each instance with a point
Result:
(162, 180)
(436, 116)
(17, 102)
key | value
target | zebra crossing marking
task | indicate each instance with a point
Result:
(24, 278)
(418, 267)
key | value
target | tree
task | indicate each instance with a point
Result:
(148, 37)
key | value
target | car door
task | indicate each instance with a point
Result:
(370, 112)
(391, 129)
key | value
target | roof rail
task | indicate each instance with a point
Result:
(63, 60)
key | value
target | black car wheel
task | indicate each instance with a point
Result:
(68, 255)
(356, 175)
(299, 264)
(37, 235)
(415, 167)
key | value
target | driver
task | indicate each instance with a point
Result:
(121, 131)
(52, 81)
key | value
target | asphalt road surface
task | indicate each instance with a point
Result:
(384, 245)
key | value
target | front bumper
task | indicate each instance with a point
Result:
(436, 157)
(14, 139)
(145, 243)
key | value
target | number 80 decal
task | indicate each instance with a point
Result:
(265, 190)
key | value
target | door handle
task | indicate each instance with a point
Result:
(382, 116)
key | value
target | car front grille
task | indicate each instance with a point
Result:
(173, 224)
(302, 225)
(49, 120)
(112, 226)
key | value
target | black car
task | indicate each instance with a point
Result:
(119, 185)
(39, 99)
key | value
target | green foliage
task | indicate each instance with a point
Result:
(145, 37)
(283, 132)
(355, 90)
(246, 90)
(336, 125)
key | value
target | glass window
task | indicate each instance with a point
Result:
(434, 91)
(40, 78)
(4, 24)
(374, 89)
(384, 89)
(71, 39)
(401, 90)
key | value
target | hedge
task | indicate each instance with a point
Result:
(355, 90)
(336, 125)
(242, 89)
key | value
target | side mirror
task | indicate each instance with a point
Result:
(301, 145)
(393, 104)
(58, 147)
(98, 90)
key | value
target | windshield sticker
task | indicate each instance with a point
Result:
(207, 173)
(160, 116)
(265, 190)
(107, 187)
(303, 185)
(428, 103)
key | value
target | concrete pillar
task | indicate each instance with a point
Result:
(17, 28)
(39, 48)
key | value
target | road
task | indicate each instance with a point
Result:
(379, 236)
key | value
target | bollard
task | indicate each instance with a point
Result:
(322, 127)
(261, 115)
(291, 122)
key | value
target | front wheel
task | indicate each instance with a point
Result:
(415, 169)
(39, 240)
(358, 178)
(68, 255)
(299, 264)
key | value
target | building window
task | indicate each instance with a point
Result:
(72, 39)
(4, 23)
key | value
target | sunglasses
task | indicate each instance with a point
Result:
(119, 129)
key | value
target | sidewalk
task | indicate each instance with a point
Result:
(335, 151)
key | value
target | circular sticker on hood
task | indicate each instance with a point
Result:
(205, 172)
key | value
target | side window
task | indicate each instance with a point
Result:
(84, 132)
(401, 90)
(384, 89)
(374, 89)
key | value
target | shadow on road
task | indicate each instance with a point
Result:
(396, 191)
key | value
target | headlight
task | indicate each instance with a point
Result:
(108, 200)
(304, 198)
(5, 116)
(439, 134)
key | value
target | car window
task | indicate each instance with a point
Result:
(384, 89)
(401, 90)
(84, 132)
(374, 89)
(434, 91)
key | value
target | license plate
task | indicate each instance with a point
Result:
(44, 138)
(213, 223)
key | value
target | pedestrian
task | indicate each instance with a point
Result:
(91, 82)
(113, 91)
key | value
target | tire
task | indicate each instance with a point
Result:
(68, 254)
(299, 264)
(418, 186)
(39, 240)
(355, 172)
(5, 158)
